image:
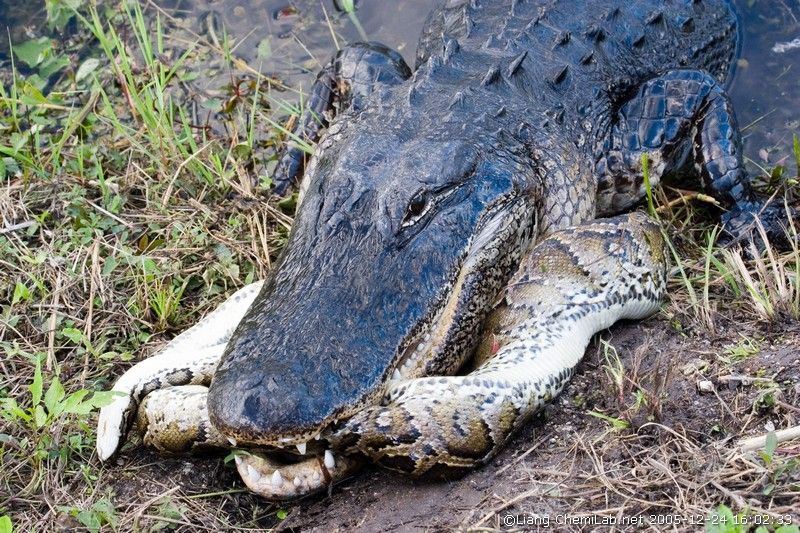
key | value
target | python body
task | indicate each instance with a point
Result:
(446, 224)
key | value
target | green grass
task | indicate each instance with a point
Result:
(126, 223)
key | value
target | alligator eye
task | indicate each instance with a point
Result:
(417, 207)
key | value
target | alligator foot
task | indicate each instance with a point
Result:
(277, 481)
(354, 75)
(741, 224)
(655, 122)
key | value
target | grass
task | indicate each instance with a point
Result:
(124, 217)
(123, 222)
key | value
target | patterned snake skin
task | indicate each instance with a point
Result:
(573, 283)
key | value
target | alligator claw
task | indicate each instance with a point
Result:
(741, 225)
(289, 168)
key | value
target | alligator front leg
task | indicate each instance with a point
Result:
(685, 123)
(189, 359)
(353, 76)
(573, 284)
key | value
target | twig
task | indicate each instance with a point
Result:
(168, 191)
(521, 457)
(506, 505)
(756, 443)
(146, 505)
(14, 227)
(684, 198)
(109, 214)
(51, 335)
(740, 502)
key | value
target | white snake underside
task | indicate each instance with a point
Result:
(572, 284)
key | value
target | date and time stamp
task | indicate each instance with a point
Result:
(529, 521)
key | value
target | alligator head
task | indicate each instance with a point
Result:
(398, 249)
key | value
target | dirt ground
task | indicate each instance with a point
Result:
(675, 463)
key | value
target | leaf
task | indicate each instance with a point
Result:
(105, 511)
(36, 386)
(12, 410)
(34, 51)
(281, 514)
(76, 405)
(53, 396)
(105, 397)
(109, 264)
(73, 334)
(5, 524)
(616, 423)
(89, 519)
(86, 68)
(31, 94)
(51, 65)
(21, 292)
(72, 402)
(771, 445)
(288, 205)
(242, 150)
(39, 416)
(264, 49)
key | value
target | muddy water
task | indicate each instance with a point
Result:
(292, 39)
(19, 20)
(766, 87)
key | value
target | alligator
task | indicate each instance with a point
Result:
(458, 239)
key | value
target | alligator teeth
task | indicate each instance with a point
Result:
(232, 441)
(330, 463)
(396, 376)
(301, 448)
(316, 476)
(253, 473)
(297, 481)
(238, 460)
(277, 479)
(317, 436)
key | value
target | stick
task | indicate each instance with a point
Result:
(756, 443)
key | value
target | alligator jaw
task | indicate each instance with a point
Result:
(276, 481)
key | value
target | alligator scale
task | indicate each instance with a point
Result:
(458, 239)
